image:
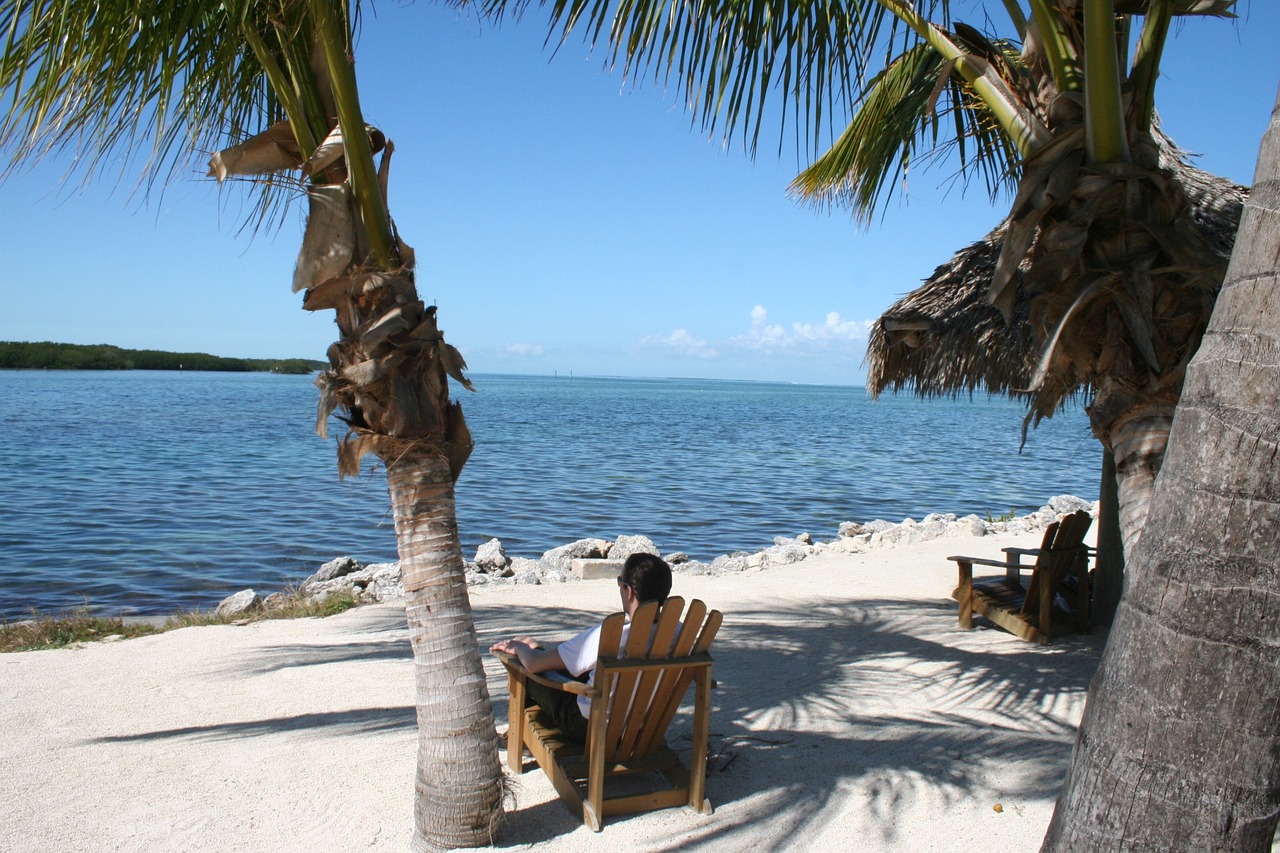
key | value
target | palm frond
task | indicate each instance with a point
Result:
(738, 63)
(898, 118)
(877, 146)
(149, 87)
(1146, 60)
(100, 78)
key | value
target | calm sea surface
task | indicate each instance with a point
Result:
(145, 492)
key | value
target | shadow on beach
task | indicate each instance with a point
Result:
(875, 707)
(874, 704)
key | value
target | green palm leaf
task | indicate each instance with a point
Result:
(108, 82)
(879, 142)
(733, 59)
(898, 117)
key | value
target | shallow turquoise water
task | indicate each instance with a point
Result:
(148, 491)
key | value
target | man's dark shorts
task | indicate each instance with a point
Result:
(562, 708)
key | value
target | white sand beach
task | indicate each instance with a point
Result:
(851, 714)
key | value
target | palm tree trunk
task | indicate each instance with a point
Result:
(1179, 748)
(458, 783)
(1138, 440)
(1108, 576)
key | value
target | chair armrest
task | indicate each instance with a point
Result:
(978, 561)
(555, 680)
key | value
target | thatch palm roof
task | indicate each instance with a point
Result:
(945, 339)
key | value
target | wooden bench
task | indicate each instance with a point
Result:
(1061, 569)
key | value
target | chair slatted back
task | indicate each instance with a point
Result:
(1062, 549)
(678, 680)
(642, 701)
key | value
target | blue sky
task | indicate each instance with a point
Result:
(564, 221)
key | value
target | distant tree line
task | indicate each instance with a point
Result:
(52, 356)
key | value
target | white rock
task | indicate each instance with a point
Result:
(625, 546)
(490, 556)
(785, 555)
(562, 558)
(935, 529)
(590, 570)
(244, 601)
(1064, 504)
(335, 568)
(729, 563)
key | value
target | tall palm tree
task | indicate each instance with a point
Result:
(1120, 278)
(100, 78)
(1179, 748)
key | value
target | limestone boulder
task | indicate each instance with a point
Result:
(239, 604)
(561, 559)
(625, 546)
(491, 557)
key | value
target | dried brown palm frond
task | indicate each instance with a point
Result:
(944, 339)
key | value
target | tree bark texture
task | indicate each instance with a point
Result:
(1108, 576)
(1179, 748)
(1138, 441)
(458, 786)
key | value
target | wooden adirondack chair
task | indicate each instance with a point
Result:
(636, 693)
(1061, 568)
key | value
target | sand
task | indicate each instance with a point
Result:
(851, 714)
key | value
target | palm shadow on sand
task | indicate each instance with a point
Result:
(883, 700)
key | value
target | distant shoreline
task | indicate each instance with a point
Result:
(47, 355)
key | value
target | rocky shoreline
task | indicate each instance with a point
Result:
(569, 563)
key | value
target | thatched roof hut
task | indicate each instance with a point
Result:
(945, 339)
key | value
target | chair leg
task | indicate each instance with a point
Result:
(965, 594)
(515, 723)
(1084, 610)
(701, 733)
(1045, 604)
(593, 805)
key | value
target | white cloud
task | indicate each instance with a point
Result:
(682, 342)
(833, 331)
(522, 350)
(767, 349)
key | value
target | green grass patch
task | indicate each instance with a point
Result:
(54, 631)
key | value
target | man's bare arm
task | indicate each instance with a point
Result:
(531, 658)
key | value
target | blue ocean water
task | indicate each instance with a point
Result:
(144, 492)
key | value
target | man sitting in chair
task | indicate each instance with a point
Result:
(645, 577)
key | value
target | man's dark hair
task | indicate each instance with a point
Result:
(649, 577)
